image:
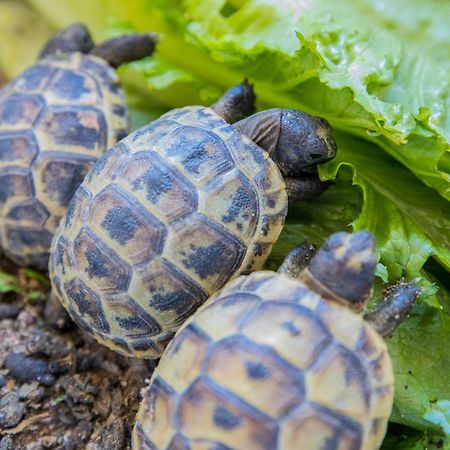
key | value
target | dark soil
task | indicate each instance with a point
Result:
(59, 389)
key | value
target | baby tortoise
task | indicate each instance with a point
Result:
(56, 119)
(175, 210)
(273, 362)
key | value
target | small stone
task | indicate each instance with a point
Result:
(7, 443)
(49, 344)
(11, 410)
(8, 311)
(26, 369)
(25, 390)
(26, 318)
(2, 381)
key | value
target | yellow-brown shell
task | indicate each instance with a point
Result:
(56, 120)
(268, 364)
(162, 221)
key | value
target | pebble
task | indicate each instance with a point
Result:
(26, 369)
(26, 318)
(8, 311)
(7, 443)
(11, 410)
(49, 344)
(2, 381)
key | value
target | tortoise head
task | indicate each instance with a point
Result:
(294, 139)
(343, 269)
(303, 141)
(74, 38)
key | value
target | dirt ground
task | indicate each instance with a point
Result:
(59, 389)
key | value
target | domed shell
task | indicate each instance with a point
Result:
(162, 221)
(56, 120)
(268, 364)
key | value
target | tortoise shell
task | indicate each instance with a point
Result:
(162, 221)
(56, 119)
(269, 364)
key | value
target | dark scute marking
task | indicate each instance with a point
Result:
(60, 249)
(156, 182)
(192, 156)
(20, 238)
(178, 301)
(120, 110)
(17, 108)
(142, 345)
(7, 150)
(257, 370)
(121, 224)
(130, 323)
(355, 371)
(331, 442)
(62, 179)
(206, 261)
(32, 79)
(35, 212)
(293, 330)
(121, 343)
(225, 419)
(67, 129)
(138, 322)
(70, 211)
(13, 184)
(69, 85)
(240, 203)
(260, 248)
(17, 148)
(193, 152)
(98, 264)
(87, 303)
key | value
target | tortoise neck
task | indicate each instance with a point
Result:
(262, 128)
(125, 49)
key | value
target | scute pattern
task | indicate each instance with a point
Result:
(257, 367)
(177, 204)
(56, 120)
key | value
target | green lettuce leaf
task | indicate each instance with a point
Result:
(355, 63)
(404, 438)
